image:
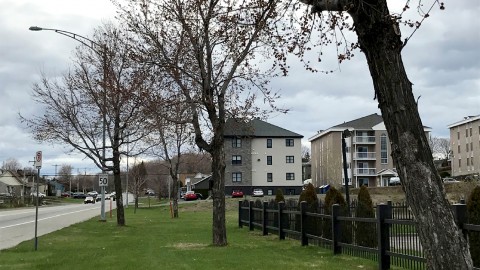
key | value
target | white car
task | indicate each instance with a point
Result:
(394, 181)
(40, 194)
(93, 193)
(257, 192)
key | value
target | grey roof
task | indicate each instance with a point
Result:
(256, 128)
(366, 122)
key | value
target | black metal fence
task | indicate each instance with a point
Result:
(390, 237)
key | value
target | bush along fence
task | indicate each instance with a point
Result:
(389, 237)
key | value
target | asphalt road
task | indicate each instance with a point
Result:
(17, 226)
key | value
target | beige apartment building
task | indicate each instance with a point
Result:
(368, 154)
(465, 147)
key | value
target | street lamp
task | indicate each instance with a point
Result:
(100, 49)
(345, 134)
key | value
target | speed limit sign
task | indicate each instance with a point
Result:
(103, 180)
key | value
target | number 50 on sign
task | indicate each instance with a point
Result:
(103, 180)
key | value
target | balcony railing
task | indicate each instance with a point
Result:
(366, 171)
(364, 139)
(365, 155)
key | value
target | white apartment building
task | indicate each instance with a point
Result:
(465, 146)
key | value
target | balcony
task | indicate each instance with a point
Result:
(365, 172)
(364, 140)
(365, 156)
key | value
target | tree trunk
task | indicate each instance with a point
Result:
(118, 183)
(119, 197)
(175, 196)
(218, 192)
(379, 38)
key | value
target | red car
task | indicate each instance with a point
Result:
(237, 194)
(190, 196)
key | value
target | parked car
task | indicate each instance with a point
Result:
(189, 196)
(237, 194)
(40, 194)
(394, 181)
(92, 193)
(89, 199)
(79, 195)
(257, 192)
(66, 194)
(450, 180)
(199, 196)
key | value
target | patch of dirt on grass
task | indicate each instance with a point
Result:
(186, 246)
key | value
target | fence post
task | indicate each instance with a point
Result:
(336, 232)
(264, 218)
(250, 215)
(240, 225)
(281, 234)
(460, 215)
(303, 221)
(384, 211)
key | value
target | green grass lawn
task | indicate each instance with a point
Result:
(152, 240)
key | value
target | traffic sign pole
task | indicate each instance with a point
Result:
(102, 182)
(38, 165)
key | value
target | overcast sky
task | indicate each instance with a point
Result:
(442, 61)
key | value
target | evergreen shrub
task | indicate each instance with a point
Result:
(473, 210)
(365, 233)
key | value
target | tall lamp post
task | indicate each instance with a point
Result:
(100, 49)
(345, 134)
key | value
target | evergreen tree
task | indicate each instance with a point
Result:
(279, 196)
(473, 209)
(366, 234)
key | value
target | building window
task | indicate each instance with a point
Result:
(290, 159)
(471, 146)
(290, 176)
(459, 163)
(269, 160)
(289, 142)
(236, 143)
(237, 177)
(471, 161)
(270, 192)
(458, 135)
(383, 149)
(236, 160)
(269, 177)
(269, 143)
(471, 132)
(466, 147)
(459, 149)
(468, 161)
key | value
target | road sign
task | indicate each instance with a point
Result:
(103, 180)
(38, 159)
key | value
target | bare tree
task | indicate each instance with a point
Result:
(305, 153)
(173, 137)
(207, 49)
(139, 176)
(65, 175)
(379, 38)
(102, 88)
(440, 146)
(11, 164)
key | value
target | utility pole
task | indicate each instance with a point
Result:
(56, 165)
